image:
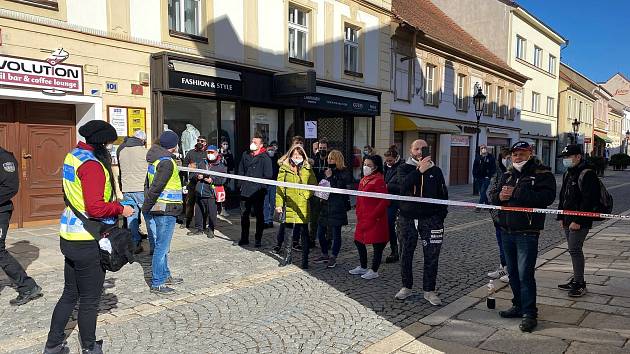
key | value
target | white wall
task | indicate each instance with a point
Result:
(229, 29)
(371, 51)
(88, 13)
(145, 19)
(271, 27)
(338, 37)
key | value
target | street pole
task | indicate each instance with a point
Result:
(479, 100)
(475, 182)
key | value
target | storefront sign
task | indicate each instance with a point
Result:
(310, 129)
(342, 104)
(460, 140)
(49, 75)
(194, 82)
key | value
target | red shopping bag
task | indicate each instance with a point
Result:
(219, 192)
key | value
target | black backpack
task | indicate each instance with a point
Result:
(605, 202)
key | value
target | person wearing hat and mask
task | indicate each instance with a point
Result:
(89, 186)
(528, 184)
(580, 191)
(205, 195)
(163, 202)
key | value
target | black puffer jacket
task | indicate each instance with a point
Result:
(258, 166)
(534, 187)
(162, 175)
(391, 180)
(579, 197)
(429, 184)
(204, 189)
(494, 184)
(334, 211)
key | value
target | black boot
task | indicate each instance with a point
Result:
(528, 324)
(512, 312)
(578, 290)
(567, 286)
(60, 349)
(288, 256)
(27, 296)
(392, 258)
(97, 348)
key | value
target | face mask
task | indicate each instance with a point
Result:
(212, 157)
(271, 153)
(367, 170)
(297, 162)
(109, 146)
(365, 152)
(332, 166)
(568, 163)
(225, 146)
(505, 162)
(323, 152)
(253, 147)
(519, 165)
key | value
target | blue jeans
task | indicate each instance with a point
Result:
(323, 242)
(270, 204)
(135, 200)
(521, 251)
(484, 183)
(497, 231)
(161, 229)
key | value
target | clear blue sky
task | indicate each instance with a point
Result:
(598, 33)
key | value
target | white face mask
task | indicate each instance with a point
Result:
(271, 153)
(109, 146)
(568, 162)
(253, 147)
(367, 170)
(297, 162)
(519, 165)
(506, 162)
(212, 157)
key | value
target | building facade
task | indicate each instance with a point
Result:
(601, 140)
(435, 68)
(530, 47)
(619, 87)
(225, 69)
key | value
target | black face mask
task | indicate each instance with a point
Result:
(323, 153)
(332, 166)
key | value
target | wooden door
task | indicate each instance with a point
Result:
(459, 165)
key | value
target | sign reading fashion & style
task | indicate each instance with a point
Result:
(48, 75)
(194, 82)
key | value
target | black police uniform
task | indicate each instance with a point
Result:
(9, 185)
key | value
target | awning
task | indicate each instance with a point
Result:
(603, 137)
(404, 123)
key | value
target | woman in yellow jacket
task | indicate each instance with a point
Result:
(292, 203)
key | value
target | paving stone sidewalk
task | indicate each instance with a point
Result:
(599, 322)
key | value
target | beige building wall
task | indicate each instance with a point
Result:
(574, 105)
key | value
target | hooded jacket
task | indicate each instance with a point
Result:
(163, 173)
(203, 188)
(254, 165)
(429, 184)
(295, 200)
(534, 187)
(579, 196)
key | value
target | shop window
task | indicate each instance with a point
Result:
(264, 121)
(184, 17)
(228, 124)
(351, 50)
(47, 4)
(362, 137)
(289, 128)
(546, 152)
(190, 117)
(298, 33)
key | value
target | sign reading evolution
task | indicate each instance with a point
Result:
(48, 75)
(194, 82)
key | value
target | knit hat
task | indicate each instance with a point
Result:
(168, 139)
(98, 132)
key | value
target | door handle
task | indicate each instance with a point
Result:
(27, 156)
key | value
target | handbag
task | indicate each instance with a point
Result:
(122, 245)
(219, 193)
(323, 195)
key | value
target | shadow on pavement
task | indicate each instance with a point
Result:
(25, 253)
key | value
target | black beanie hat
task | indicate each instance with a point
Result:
(98, 132)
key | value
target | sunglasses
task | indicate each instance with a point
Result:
(201, 141)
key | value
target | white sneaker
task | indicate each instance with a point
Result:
(370, 275)
(501, 271)
(505, 278)
(403, 294)
(358, 271)
(224, 213)
(431, 296)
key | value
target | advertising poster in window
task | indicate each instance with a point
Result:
(136, 120)
(118, 119)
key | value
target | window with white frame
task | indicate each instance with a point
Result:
(298, 33)
(351, 49)
(185, 16)
(551, 102)
(521, 47)
(575, 107)
(552, 64)
(500, 103)
(569, 110)
(538, 55)
(510, 104)
(461, 92)
(430, 85)
(580, 110)
(402, 77)
(487, 108)
(535, 102)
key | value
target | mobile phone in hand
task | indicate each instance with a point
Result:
(425, 152)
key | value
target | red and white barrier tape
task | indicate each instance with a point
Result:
(404, 198)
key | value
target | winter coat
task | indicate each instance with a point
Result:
(484, 166)
(372, 226)
(572, 197)
(494, 184)
(333, 212)
(430, 184)
(203, 188)
(295, 200)
(258, 166)
(9, 180)
(534, 187)
(163, 174)
(132, 164)
(391, 180)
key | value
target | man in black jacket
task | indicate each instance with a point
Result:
(420, 177)
(9, 184)
(392, 163)
(527, 184)
(484, 169)
(254, 163)
(580, 192)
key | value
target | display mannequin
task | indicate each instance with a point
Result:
(189, 138)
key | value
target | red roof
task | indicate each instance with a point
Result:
(435, 24)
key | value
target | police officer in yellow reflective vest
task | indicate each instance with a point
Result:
(162, 204)
(88, 186)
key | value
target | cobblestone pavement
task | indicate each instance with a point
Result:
(237, 300)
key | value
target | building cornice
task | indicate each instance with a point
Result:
(540, 25)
